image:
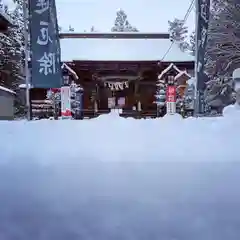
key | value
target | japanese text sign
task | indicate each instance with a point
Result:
(45, 45)
(171, 94)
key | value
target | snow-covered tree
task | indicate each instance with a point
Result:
(93, 29)
(178, 33)
(189, 96)
(12, 51)
(161, 97)
(223, 48)
(219, 94)
(222, 53)
(121, 23)
(192, 43)
(12, 54)
(70, 28)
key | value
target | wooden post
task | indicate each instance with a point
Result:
(96, 97)
(139, 106)
(137, 96)
(95, 106)
(96, 100)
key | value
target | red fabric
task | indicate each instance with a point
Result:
(67, 113)
(171, 94)
(55, 90)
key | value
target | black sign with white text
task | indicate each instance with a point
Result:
(45, 46)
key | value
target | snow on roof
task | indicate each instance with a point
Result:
(6, 90)
(182, 73)
(64, 65)
(121, 50)
(168, 69)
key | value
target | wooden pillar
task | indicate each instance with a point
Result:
(96, 99)
(137, 95)
(95, 106)
(96, 93)
(139, 106)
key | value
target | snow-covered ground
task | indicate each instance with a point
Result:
(114, 178)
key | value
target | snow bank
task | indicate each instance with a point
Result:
(114, 178)
(110, 138)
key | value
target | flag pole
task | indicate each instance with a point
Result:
(27, 77)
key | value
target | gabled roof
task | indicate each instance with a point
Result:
(121, 49)
(171, 66)
(182, 73)
(74, 74)
(161, 81)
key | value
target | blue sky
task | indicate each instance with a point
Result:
(146, 15)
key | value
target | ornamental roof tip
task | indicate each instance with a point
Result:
(172, 65)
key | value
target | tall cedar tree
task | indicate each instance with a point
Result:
(11, 47)
(222, 53)
(121, 23)
(192, 43)
(178, 33)
(223, 48)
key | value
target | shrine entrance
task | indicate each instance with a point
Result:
(115, 91)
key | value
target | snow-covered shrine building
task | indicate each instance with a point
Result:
(122, 70)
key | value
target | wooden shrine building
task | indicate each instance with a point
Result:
(122, 70)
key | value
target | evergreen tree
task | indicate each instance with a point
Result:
(12, 54)
(192, 43)
(178, 33)
(223, 53)
(70, 28)
(11, 62)
(189, 96)
(223, 48)
(218, 94)
(121, 23)
(93, 29)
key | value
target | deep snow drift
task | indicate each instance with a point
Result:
(113, 178)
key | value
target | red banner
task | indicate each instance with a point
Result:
(171, 94)
(55, 90)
